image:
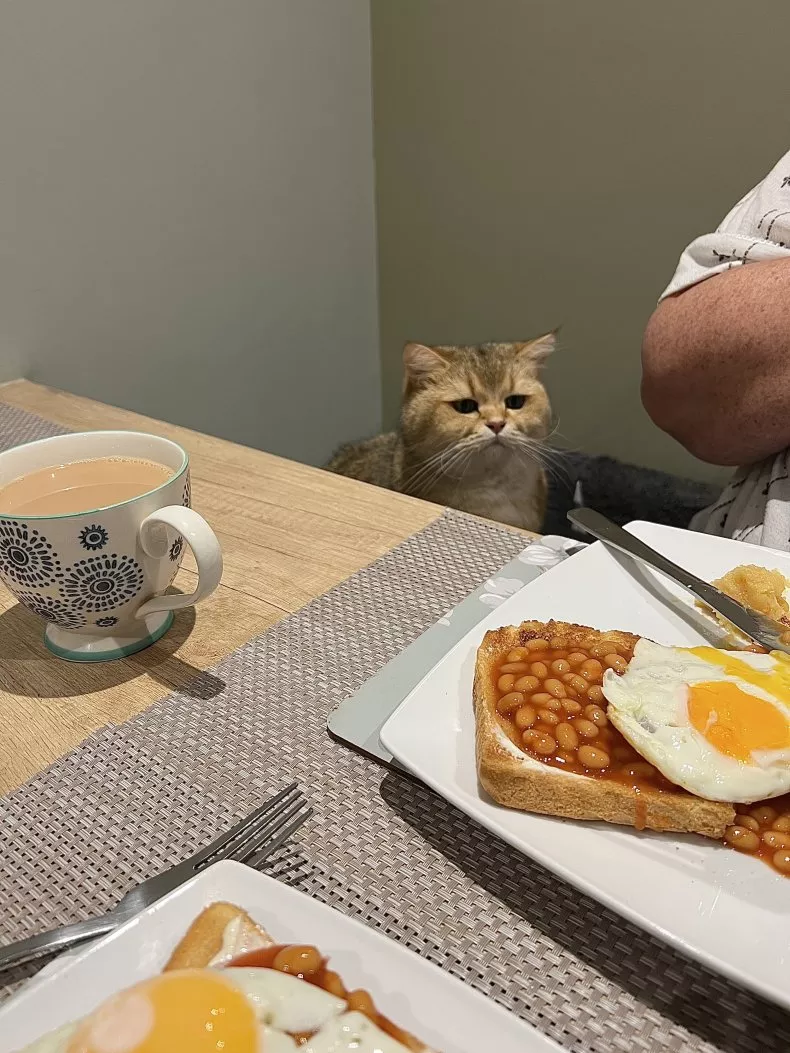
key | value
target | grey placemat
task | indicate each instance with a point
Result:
(358, 720)
(380, 847)
(18, 426)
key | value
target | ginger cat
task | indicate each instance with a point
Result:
(472, 431)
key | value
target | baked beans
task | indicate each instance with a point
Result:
(539, 742)
(742, 838)
(512, 700)
(596, 715)
(586, 729)
(527, 684)
(548, 717)
(553, 707)
(537, 645)
(557, 711)
(593, 759)
(555, 687)
(301, 961)
(525, 717)
(567, 737)
(763, 830)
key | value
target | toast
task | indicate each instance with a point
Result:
(519, 780)
(219, 933)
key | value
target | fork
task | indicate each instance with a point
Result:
(252, 840)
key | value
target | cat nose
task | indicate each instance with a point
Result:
(496, 426)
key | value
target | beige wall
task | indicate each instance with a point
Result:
(186, 212)
(545, 161)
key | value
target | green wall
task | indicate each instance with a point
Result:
(544, 162)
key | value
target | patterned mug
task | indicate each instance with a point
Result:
(97, 577)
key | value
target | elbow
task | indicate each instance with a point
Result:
(666, 400)
(675, 393)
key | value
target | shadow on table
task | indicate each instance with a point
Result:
(33, 672)
(693, 996)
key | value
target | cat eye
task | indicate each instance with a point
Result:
(465, 405)
(515, 401)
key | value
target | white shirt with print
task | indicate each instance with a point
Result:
(755, 505)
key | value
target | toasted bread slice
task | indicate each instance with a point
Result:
(218, 934)
(518, 780)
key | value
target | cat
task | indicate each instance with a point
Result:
(472, 431)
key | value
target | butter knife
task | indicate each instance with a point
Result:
(763, 630)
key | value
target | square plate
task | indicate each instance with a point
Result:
(435, 1006)
(729, 911)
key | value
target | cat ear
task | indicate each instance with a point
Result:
(539, 349)
(420, 362)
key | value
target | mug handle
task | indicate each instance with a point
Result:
(205, 548)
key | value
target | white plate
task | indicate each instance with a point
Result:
(729, 911)
(444, 1012)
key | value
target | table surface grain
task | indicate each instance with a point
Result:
(288, 533)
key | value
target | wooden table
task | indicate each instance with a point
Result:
(288, 533)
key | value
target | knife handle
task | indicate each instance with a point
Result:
(55, 940)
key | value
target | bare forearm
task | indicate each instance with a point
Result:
(716, 365)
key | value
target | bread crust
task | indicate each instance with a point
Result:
(202, 941)
(529, 785)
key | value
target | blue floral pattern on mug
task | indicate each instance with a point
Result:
(177, 548)
(26, 556)
(102, 582)
(93, 537)
(105, 623)
(53, 610)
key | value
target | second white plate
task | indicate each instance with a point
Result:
(729, 911)
(438, 1008)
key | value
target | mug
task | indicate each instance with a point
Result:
(97, 576)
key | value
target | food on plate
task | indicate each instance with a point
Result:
(759, 588)
(576, 722)
(228, 987)
(715, 722)
(545, 742)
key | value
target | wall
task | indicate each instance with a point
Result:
(186, 212)
(545, 161)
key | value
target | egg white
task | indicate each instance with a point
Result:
(283, 1001)
(648, 704)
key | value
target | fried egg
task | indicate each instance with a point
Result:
(715, 722)
(238, 1010)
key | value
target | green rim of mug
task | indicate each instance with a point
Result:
(116, 653)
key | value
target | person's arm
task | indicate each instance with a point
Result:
(716, 364)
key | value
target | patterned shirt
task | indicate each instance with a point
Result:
(755, 505)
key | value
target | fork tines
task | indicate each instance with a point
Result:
(262, 832)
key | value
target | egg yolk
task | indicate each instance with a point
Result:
(191, 1010)
(734, 721)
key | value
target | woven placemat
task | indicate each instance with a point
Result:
(380, 847)
(18, 426)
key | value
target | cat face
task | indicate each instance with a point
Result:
(486, 400)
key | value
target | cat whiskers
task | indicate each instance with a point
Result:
(549, 458)
(441, 463)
